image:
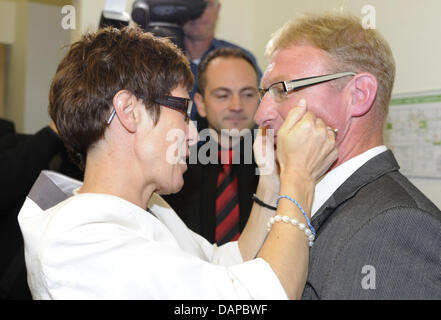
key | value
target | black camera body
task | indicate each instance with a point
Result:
(164, 18)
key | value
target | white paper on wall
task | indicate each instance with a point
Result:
(413, 133)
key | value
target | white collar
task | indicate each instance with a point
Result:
(337, 176)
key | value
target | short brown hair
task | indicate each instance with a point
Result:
(97, 67)
(352, 47)
(220, 53)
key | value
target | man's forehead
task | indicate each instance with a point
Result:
(230, 68)
(295, 62)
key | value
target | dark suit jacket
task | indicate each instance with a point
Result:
(22, 157)
(196, 202)
(378, 237)
(6, 127)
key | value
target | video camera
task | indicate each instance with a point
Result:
(163, 18)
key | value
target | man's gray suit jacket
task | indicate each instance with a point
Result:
(378, 237)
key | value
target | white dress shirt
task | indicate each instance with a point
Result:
(98, 246)
(336, 177)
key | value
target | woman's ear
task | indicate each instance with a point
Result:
(200, 104)
(364, 91)
(124, 103)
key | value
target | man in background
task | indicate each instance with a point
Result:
(378, 237)
(200, 41)
(217, 196)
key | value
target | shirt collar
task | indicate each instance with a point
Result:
(336, 177)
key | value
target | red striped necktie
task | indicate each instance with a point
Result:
(227, 202)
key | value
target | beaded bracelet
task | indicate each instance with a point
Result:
(294, 222)
(301, 209)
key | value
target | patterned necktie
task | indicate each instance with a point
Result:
(227, 202)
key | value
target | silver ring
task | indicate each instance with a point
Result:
(335, 131)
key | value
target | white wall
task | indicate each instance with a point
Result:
(35, 35)
(90, 13)
(16, 66)
(45, 43)
(7, 22)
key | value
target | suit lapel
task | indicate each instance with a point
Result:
(370, 171)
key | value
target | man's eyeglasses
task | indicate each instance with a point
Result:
(280, 90)
(182, 105)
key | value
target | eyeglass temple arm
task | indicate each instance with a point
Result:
(289, 86)
(112, 115)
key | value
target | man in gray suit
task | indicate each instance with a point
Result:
(378, 237)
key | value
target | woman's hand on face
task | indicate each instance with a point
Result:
(264, 151)
(305, 145)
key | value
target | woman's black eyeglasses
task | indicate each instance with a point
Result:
(182, 105)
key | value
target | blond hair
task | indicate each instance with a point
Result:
(351, 47)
